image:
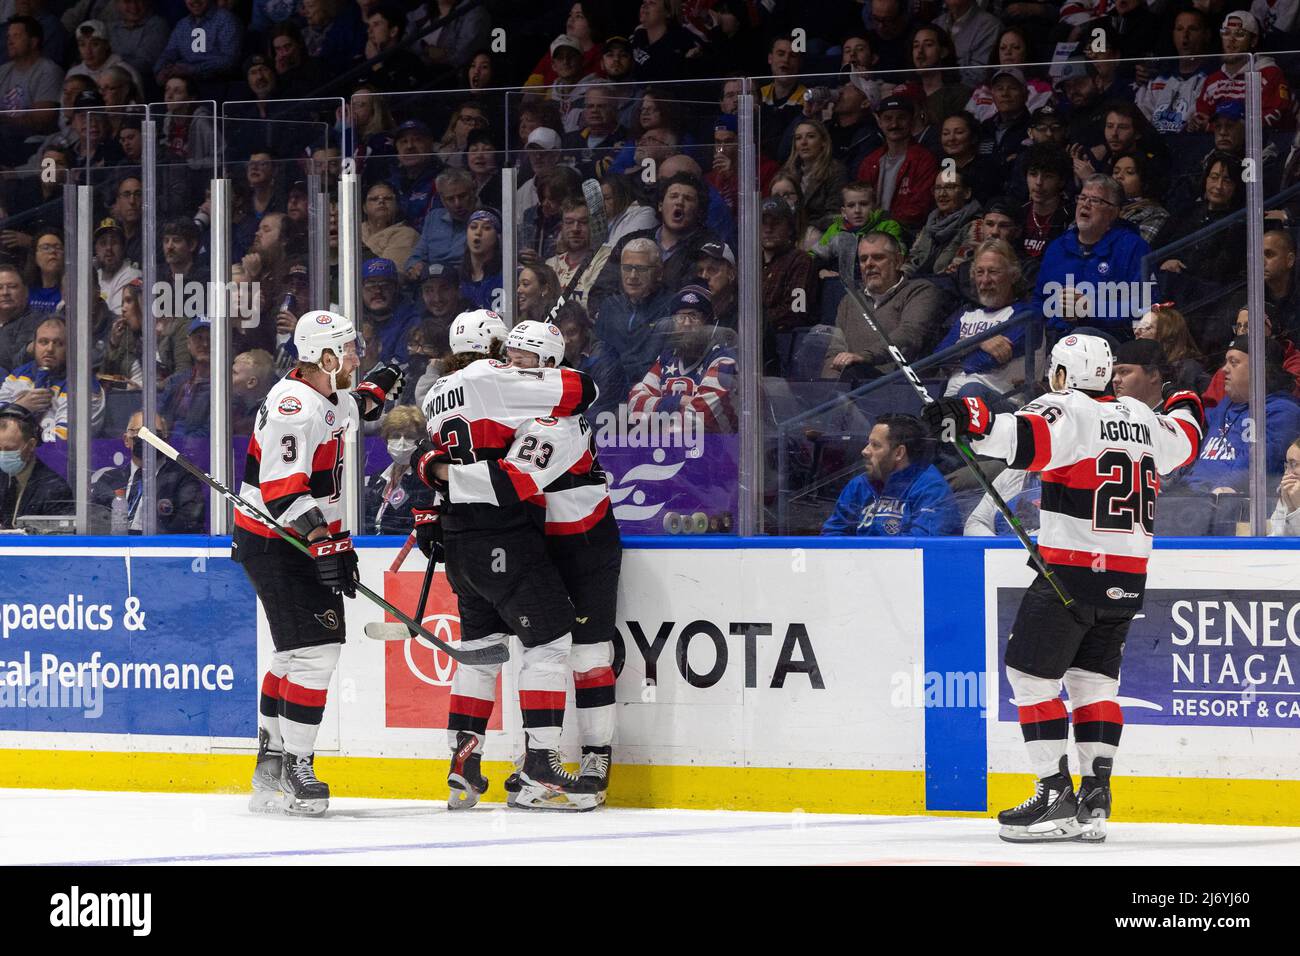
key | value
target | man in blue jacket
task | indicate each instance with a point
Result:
(1093, 273)
(900, 493)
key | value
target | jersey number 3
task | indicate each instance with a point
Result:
(1126, 498)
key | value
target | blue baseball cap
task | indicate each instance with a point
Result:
(199, 324)
(693, 298)
(413, 125)
(1230, 109)
(379, 269)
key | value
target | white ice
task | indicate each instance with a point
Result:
(71, 827)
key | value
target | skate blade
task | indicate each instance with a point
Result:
(1062, 832)
(460, 796)
(540, 798)
(1093, 829)
(305, 808)
(266, 801)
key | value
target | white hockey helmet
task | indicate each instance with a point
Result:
(320, 330)
(1086, 359)
(544, 340)
(474, 332)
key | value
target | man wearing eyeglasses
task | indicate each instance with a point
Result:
(1240, 35)
(629, 322)
(1092, 275)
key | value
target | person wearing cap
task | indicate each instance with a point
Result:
(28, 486)
(697, 374)
(973, 32)
(583, 34)
(1168, 98)
(382, 305)
(999, 220)
(32, 88)
(715, 270)
(97, 54)
(415, 173)
(115, 273)
(1140, 372)
(903, 171)
(185, 395)
(223, 34)
(1224, 462)
(791, 292)
(1003, 135)
(1288, 357)
(138, 34)
(442, 238)
(383, 235)
(661, 46)
(543, 151)
(1012, 49)
(1240, 36)
(441, 302)
(400, 69)
(567, 89)
(1080, 87)
(41, 385)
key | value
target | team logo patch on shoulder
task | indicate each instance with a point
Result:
(289, 406)
(329, 417)
(497, 363)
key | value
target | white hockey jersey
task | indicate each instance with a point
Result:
(1101, 462)
(295, 456)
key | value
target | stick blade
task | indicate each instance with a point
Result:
(595, 200)
(388, 631)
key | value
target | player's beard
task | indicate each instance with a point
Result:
(342, 380)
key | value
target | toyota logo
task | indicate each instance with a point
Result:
(441, 626)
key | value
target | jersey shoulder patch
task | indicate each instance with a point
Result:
(289, 405)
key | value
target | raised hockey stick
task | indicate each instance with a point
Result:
(493, 654)
(963, 448)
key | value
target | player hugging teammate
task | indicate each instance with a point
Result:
(1100, 459)
(527, 533)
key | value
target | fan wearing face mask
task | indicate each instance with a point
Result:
(27, 485)
(393, 492)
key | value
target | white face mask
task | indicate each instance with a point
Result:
(399, 449)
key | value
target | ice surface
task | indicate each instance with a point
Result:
(61, 826)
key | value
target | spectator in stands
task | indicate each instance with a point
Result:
(1285, 519)
(41, 385)
(414, 176)
(996, 367)
(1004, 134)
(570, 81)
(899, 492)
(858, 63)
(937, 243)
(1012, 49)
(959, 136)
(480, 270)
(624, 213)
(1279, 279)
(540, 227)
(28, 486)
(483, 162)
(251, 376)
(1140, 372)
(723, 174)
(180, 246)
(1099, 252)
(97, 55)
(974, 33)
(45, 293)
(331, 34)
(1289, 355)
(1046, 215)
(1166, 326)
(588, 25)
(903, 171)
(115, 273)
(542, 154)
(715, 270)
(467, 118)
(1085, 104)
(185, 398)
(576, 264)
(182, 498)
(853, 130)
(31, 85)
(696, 374)
(536, 293)
(790, 288)
(1000, 220)
(393, 492)
(382, 306)
(382, 234)
(442, 239)
(859, 215)
(128, 210)
(297, 74)
(1223, 465)
(661, 46)
(138, 34)
(1240, 36)
(583, 352)
(455, 42)
(820, 176)
(1168, 98)
(786, 188)
(1138, 175)
(909, 311)
(934, 89)
(219, 53)
(629, 323)
(400, 70)
(442, 302)
(265, 189)
(601, 133)
(122, 349)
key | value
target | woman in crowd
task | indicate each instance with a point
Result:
(1012, 49)
(480, 270)
(960, 139)
(45, 283)
(370, 136)
(786, 188)
(1136, 173)
(536, 293)
(483, 160)
(942, 234)
(1285, 520)
(122, 352)
(623, 213)
(465, 120)
(1166, 325)
(383, 234)
(819, 175)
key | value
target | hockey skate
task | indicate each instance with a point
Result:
(305, 795)
(593, 777)
(1094, 802)
(546, 785)
(465, 781)
(267, 795)
(1049, 816)
(513, 784)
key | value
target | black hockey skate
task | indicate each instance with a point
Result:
(546, 785)
(1049, 816)
(1094, 801)
(465, 780)
(267, 795)
(593, 777)
(304, 794)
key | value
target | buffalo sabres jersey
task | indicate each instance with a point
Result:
(473, 415)
(295, 456)
(1101, 462)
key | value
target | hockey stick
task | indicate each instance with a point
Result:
(387, 631)
(599, 222)
(963, 448)
(494, 654)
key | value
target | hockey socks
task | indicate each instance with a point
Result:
(473, 694)
(543, 683)
(268, 710)
(593, 693)
(1045, 728)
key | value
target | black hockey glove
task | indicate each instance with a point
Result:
(953, 418)
(423, 457)
(382, 385)
(1186, 399)
(428, 533)
(336, 563)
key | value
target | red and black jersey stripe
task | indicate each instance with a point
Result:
(1033, 443)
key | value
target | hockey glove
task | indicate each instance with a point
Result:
(423, 457)
(1188, 400)
(382, 385)
(428, 533)
(952, 418)
(336, 563)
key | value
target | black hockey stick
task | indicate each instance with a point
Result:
(963, 448)
(385, 631)
(494, 654)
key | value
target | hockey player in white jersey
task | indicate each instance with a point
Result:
(294, 474)
(1100, 460)
(491, 525)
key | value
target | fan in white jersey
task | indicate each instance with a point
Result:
(496, 556)
(1100, 460)
(294, 474)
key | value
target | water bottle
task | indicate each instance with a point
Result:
(119, 511)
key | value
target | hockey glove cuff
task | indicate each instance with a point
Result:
(428, 533)
(382, 385)
(1188, 400)
(336, 563)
